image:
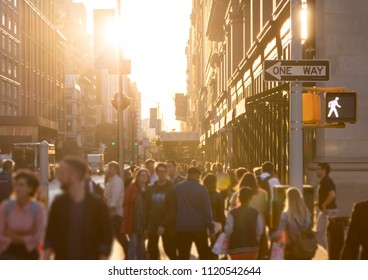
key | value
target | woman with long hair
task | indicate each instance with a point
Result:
(135, 214)
(21, 220)
(295, 217)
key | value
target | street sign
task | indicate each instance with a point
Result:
(340, 107)
(296, 70)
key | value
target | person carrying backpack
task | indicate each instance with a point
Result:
(294, 230)
(21, 220)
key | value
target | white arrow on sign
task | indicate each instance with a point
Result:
(278, 70)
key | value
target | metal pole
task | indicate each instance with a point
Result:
(296, 102)
(44, 171)
(120, 111)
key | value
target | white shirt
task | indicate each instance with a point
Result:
(153, 179)
(272, 182)
(114, 194)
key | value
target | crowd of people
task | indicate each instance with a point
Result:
(165, 203)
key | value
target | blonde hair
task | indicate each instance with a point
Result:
(295, 207)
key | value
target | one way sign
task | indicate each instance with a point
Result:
(296, 70)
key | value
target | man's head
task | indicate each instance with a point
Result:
(268, 167)
(194, 173)
(7, 165)
(161, 171)
(219, 167)
(150, 165)
(208, 166)
(240, 172)
(193, 163)
(323, 169)
(171, 167)
(72, 172)
(113, 169)
(245, 195)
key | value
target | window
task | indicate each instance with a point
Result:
(9, 23)
(3, 18)
(3, 64)
(15, 27)
(10, 68)
(15, 3)
(15, 71)
(15, 49)
(10, 44)
(3, 41)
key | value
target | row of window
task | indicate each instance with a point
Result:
(7, 44)
(8, 110)
(10, 23)
(9, 67)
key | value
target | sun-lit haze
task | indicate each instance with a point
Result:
(154, 35)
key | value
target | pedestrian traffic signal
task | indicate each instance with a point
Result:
(340, 107)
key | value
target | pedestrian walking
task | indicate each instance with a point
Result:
(357, 234)
(326, 202)
(135, 215)
(6, 181)
(114, 194)
(92, 186)
(294, 219)
(161, 215)
(217, 205)
(174, 175)
(207, 169)
(79, 225)
(194, 216)
(21, 220)
(244, 227)
(150, 166)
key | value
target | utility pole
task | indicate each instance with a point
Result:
(296, 101)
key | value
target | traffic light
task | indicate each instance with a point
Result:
(113, 143)
(311, 108)
(341, 107)
(136, 143)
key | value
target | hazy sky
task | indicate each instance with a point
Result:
(154, 37)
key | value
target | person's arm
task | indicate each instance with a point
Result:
(51, 231)
(229, 226)
(206, 208)
(330, 197)
(353, 242)
(260, 227)
(276, 236)
(5, 240)
(221, 211)
(106, 240)
(116, 196)
(32, 239)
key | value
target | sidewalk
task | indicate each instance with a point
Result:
(117, 253)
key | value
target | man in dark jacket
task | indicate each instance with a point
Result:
(358, 233)
(6, 185)
(161, 215)
(194, 216)
(174, 175)
(79, 226)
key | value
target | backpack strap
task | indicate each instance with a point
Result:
(34, 209)
(9, 207)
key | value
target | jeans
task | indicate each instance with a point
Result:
(322, 221)
(169, 243)
(123, 241)
(200, 238)
(137, 250)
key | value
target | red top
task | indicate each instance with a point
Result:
(128, 206)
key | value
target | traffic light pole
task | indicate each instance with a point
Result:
(296, 102)
(120, 110)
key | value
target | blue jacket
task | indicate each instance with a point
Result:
(193, 207)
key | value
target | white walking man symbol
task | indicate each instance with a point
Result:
(333, 105)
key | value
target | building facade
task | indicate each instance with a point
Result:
(34, 60)
(245, 119)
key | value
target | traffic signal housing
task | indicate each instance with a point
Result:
(311, 108)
